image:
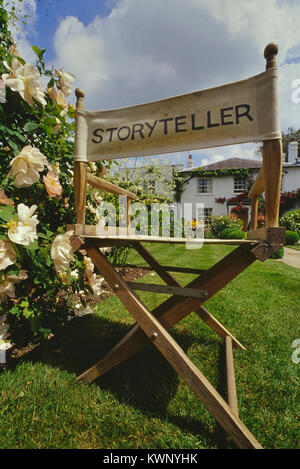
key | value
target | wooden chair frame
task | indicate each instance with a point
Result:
(153, 325)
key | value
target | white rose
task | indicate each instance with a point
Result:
(25, 167)
(95, 281)
(25, 80)
(7, 254)
(65, 81)
(5, 345)
(74, 274)
(23, 231)
(62, 252)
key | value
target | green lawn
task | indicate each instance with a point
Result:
(142, 403)
(295, 246)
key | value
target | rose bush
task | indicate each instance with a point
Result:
(291, 220)
(42, 281)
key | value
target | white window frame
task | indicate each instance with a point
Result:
(201, 186)
(203, 214)
(239, 184)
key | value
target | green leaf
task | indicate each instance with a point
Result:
(27, 313)
(30, 126)
(13, 145)
(44, 332)
(15, 310)
(49, 233)
(19, 136)
(22, 61)
(33, 246)
(39, 52)
(7, 213)
(46, 256)
(12, 272)
(50, 83)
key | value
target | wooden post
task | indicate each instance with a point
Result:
(128, 202)
(212, 322)
(272, 158)
(231, 388)
(254, 212)
(80, 172)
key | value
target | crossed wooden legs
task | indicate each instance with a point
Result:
(153, 325)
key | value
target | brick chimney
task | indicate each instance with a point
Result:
(293, 151)
(190, 163)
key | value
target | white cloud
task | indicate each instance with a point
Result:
(213, 155)
(261, 22)
(290, 111)
(150, 50)
(212, 159)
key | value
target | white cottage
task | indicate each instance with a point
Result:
(219, 185)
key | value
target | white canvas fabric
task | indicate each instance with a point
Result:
(244, 111)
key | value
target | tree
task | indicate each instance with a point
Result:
(287, 137)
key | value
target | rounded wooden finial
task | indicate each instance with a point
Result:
(79, 93)
(270, 50)
(79, 102)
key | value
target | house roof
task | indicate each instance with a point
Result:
(230, 163)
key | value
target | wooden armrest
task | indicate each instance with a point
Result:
(258, 186)
(100, 183)
(272, 235)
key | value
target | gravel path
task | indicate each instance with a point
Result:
(291, 257)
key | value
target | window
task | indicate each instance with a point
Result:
(203, 214)
(205, 186)
(239, 184)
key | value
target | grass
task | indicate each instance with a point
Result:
(142, 403)
(294, 246)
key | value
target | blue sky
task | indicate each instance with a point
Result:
(51, 12)
(125, 52)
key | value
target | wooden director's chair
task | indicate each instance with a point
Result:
(121, 141)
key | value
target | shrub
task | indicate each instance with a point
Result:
(291, 220)
(278, 254)
(208, 234)
(230, 233)
(219, 223)
(225, 233)
(291, 238)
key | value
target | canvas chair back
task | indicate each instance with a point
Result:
(244, 111)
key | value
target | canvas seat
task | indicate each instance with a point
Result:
(235, 113)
